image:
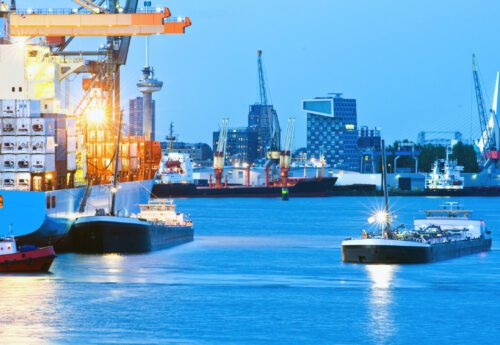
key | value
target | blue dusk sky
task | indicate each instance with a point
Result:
(408, 63)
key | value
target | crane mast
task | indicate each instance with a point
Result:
(286, 153)
(220, 153)
(488, 142)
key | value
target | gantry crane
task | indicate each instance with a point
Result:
(101, 67)
(286, 153)
(220, 153)
(489, 141)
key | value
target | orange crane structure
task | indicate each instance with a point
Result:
(101, 72)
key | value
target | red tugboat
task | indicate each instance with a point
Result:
(26, 259)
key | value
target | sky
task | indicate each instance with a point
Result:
(407, 63)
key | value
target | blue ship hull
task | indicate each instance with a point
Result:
(44, 218)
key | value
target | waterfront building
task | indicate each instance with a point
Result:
(332, 131)
(438, 138)
(369, 146)
(260, 118)
(136, 116)
(241, 145)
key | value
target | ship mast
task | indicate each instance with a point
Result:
(114, 190)
(387, 230)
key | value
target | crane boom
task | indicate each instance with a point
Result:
(481, 108)
(35, 23)
(262, 81)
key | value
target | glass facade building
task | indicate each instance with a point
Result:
(241, 144)
(260, 118)
(332, 130)
(135, 116)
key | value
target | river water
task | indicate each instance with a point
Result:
(262, 271)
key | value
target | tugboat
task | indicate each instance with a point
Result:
(27, 259)
(443, 234)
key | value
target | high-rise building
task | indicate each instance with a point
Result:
(332, 131)
(241, 144)
(136, 116)
(260, 118)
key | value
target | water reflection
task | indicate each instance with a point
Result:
(28, 309)
(383, 325)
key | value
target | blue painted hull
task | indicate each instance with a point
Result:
(44, 218)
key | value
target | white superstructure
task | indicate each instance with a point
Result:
(162, 211)
(175, 167)
(445, 174)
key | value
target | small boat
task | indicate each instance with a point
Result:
(27, 259)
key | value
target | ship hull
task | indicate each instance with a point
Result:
(303, 188)
(100, 235)
(44, 218)
(409, 253)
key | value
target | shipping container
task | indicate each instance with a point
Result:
(8, 108)
(133, 149)
(8, 126)
(23, 144)
(71, 144)
(8, 144)
(23, 126)
(71, 127)
(27, 108)
(23, 180)
(71, 161)
(8, 163)
(23, 162)
(8, 180)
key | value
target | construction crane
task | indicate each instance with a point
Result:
(220, 153)
(273, 141)
(286, 153)
(488, 142)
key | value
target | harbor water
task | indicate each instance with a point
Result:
(262, 271)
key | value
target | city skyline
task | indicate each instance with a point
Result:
(421, 71)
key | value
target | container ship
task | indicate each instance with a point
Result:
(58, 144)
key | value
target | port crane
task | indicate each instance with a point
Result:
(286, 153)
(220, 153)
(489, 141)
(100, 68)
(273, 149)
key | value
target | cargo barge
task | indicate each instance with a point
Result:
(157, 226)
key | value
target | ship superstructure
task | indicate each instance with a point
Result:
(59, 142)
(445, 174)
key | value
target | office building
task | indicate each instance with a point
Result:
(136, 117)
(332, 130)
(260, 118)
(241, 145)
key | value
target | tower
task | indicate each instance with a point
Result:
(147, 85)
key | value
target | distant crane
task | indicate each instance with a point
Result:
(273, 141)
(220, 153)
(286, 153)
(488, 143)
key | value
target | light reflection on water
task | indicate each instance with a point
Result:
(28, 309)
(383, 325)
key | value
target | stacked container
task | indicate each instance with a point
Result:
(27, 143)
